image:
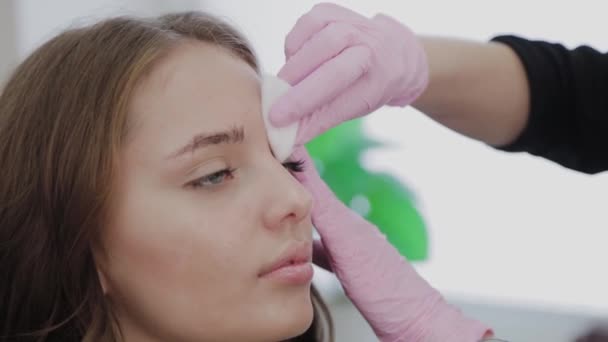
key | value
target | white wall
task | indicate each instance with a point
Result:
(39, 20)
(504, 228)
(8, 49)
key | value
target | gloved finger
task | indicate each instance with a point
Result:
(314, 21)
(331, 11)
(309, 177)
(306, 26)
(323, 46)
(325, 204)
(387, 22)
(319, 256)
(300, 153)
(322, 86)
(349, 104)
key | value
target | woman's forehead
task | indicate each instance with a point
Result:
(197, 86)
(200, 69)
(200, 77)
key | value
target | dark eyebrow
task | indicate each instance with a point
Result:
(232, 136)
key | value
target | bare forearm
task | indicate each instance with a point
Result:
(478, 89)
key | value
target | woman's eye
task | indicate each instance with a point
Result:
(214, 179)
(294, 166)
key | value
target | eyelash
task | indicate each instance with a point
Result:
(293, 166)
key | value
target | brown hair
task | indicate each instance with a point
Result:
(63, 117)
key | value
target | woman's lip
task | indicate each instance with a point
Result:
(293, 255)
(293, 274)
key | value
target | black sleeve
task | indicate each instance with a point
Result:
(568, 119)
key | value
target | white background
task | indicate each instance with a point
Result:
(505, 228)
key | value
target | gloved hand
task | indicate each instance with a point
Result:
(343, 66)
(398, 304)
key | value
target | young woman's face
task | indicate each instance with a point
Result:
(203, 211)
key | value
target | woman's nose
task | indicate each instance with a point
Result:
(289, 201)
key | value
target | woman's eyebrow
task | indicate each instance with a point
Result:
(201, 140)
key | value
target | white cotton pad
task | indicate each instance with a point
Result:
(283, 139)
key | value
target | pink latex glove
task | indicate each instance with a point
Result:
(343, 66)
(398, 304)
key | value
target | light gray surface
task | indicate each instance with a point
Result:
(8, 36)
(510, 323)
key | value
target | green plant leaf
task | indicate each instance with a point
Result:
(380, 198)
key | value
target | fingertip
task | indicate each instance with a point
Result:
(280, 117)
(285, 73)
(289, 48)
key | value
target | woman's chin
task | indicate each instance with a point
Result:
(303, 321)
(297, 317)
